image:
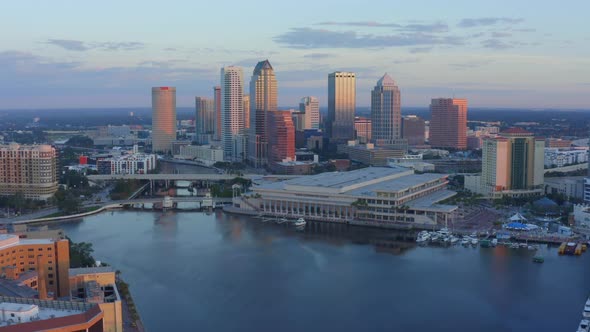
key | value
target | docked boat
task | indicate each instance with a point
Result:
(494, 242)
(570, 248)
(465, 241)
(454, 240)
(561, 249)
(474, 242)
(282, 221)
(485, 243)
(514, 246)
(300, 222)
(538, 259)
(586, 312)
(584, 326)
(444, 231)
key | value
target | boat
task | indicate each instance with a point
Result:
(494, 242)
(570, 248)
(578, 250)
(474, 242)
(584, 246)
(584, 326)
(538, 259)
(586, 312)
(523, 245)
(281, 221)
(454, 240)
(531, 247)
(561, 249)
(485, 243)
(514, 246)
(444, 231)
(300, 222)
(474, 235)
(465, 241)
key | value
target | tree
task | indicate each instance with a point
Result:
(81, 254)
(80, 141)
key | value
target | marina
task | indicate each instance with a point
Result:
(331, 275)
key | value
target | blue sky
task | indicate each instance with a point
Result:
(523, 53)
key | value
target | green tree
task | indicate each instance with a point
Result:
(81, 254)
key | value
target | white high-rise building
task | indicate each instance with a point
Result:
(341, 106)
(310, 107)
(163, 118)
(232, 112)
(386, 115)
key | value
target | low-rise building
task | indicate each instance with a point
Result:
(555, 157)
(582, 215)
(414, 162)
(369, 154)
(372, 196)
(136, 163)
(557, 143)
(571, 186)
(206, 154)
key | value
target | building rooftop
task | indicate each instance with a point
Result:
(516, 130)
(339, 180)
(90, 270)
(397, 184)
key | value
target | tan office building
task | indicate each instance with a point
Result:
(163, 118)
(448, 123)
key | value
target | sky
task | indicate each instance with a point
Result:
(89, 54)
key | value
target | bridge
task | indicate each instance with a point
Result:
(184, 177)
(182, 199)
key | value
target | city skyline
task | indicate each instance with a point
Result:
(487, 54)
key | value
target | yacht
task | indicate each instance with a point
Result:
(584, 326)
(300, 222)
(454, 239)
(465, 241)
(474, 242)
(494, 242)
(586, 312)
(282, 221)
(423, 237)
(444, 231)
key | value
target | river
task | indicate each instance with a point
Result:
(218, 272)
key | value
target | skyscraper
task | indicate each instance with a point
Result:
(263, 99)
(163, 118)
(311, 108)
(281, 137)
(341, 106)
(246, 111)
(217, 105)
(204, 119)
(385, 111)
(587, 180)
(363, 129)
(512, 164)
(413, 130)
(448, 123)
(232, 111)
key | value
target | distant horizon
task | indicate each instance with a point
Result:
(496, 54)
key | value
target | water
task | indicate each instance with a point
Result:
(192, 271)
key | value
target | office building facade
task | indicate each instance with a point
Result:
(232, 111)
(28, 169)
(163, 118)
(448, 123)
(281, 137)
(341, 106)
(217, 105)
(263, 99)
(204, 120)
(363, 129)
(385, 111)
(310, 107)
(413, 130)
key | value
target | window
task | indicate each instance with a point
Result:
(31, 249)
(50, 268)
(50, 275)
(51, 282)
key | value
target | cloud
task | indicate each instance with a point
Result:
(70, 45)
(486, 21)
(471, 64)
(319, 55)
(78, 45)
(420, 49)
(496, 44)
(501, 34)
(309, 38)
(407, 60)
(415, 27)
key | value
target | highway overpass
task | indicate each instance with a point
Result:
(183, 177)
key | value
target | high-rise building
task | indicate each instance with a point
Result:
(363, 129)
(217, 105)
(512, 165)
(341, 106)
(263, 99)
(281, 137)
(385, 111)
(310, 107)
(232, 112)
(246, 111)
(163, 118)
(448, 123)
(205, 119)
(413, 129)
(587, 180)
(28, 169)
